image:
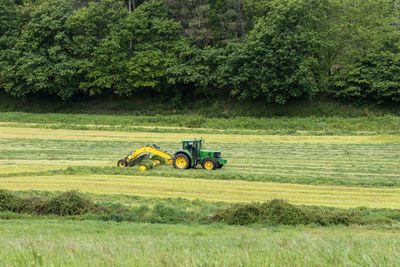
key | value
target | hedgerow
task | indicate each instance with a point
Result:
(77, 205)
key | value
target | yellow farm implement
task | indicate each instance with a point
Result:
(145, 152)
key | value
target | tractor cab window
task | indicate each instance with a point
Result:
(188, 146)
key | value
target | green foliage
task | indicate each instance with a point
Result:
(165, 214)
(281, 212)
(373, 76)
(273, 51)
(64, 204)
(281, 57)
(71, 203)
(193, 16)
(90, 27)
(226, 21)
(366, 68)
(136, 53)
(76, 205)
(192, 76)
(40, 61)
(9, 201)
(210, 23)
(8, 24)
(370, 124)
(253, 68)
(256, 9)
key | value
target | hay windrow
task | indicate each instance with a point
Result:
(219, 190)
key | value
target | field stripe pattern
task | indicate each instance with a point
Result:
(314, 170)
(215, 190)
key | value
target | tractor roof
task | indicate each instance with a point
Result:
(192, 140)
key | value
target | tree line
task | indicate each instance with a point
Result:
(274, 50)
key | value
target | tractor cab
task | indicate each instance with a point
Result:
(193, 153)
(193, 146)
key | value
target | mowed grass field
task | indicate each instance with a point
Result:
(328, 166)
(333, 170)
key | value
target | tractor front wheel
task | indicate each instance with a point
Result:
(181, 161)
(122, 163)
(219, 166)
(209, 164)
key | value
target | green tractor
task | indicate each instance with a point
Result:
(193, 154)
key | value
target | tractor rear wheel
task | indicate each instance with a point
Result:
(181, 161)
(122, 163)
(209, 164)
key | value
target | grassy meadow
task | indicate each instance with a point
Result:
(89, 243)
(326, 161)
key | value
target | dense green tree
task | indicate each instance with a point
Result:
(193, 74)
(374, 76)
(209, 22)
(40, 60)
(8, 22)
(256, 9)
(193, 16)
(136, 53)
(274, 50)
(280, 58)
(367, 64)
(90, 29)
(226, 21)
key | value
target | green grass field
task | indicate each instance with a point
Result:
(90, 243)
(334, 162)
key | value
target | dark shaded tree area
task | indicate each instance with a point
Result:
(274, 50)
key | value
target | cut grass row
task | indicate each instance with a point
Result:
(324, 160)
(94, 243)
(320, 164)
(213, 190)
(167, 171)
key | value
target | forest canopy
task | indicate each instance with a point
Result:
(273, 50)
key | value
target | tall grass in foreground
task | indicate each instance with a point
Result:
(88, 243)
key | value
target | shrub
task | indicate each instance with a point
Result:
(66, 203)
(281, 212)
(9, 201)
(241, 214)
(71, 203)
(165, 214)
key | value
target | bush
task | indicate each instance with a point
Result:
(66, 203)
(9, 201)
(281, 212)
(77, 206)
(240, 214)
(165, 214)
(71, 203)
